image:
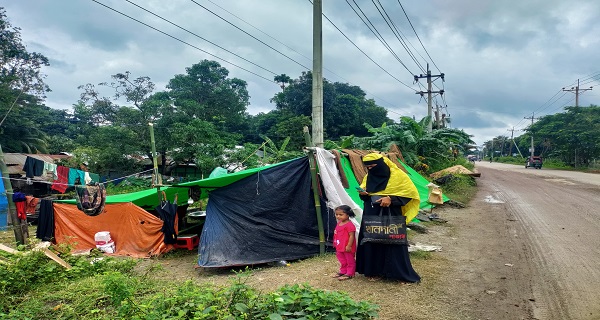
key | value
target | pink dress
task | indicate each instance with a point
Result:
(341, 236)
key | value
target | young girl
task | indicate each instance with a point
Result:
(344, 242)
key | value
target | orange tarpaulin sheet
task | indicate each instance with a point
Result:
(136, 232)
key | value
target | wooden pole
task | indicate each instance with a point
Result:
(313, 174)
(19, 226)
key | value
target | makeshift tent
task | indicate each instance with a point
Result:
(135, 232)
(267, 214)
(127, 214)
(261, 215)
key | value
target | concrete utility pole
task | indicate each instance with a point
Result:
(429, 77)
(512, 139)
(577, 91)
(317, 75)
(438, 122)
(532, 146)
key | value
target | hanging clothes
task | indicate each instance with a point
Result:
(61, 183)
(73, 175)
(168, 214)
(50, 168)
(45, 229)
(87, 178)
(19, 201)
(91, 199)
(95, 177)
(31, 203)
(81, 176)
(33, 167)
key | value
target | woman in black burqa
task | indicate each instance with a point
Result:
(399, 194)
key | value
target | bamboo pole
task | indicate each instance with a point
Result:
(313, 174)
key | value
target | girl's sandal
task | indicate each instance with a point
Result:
(345, 277)
(337, 275)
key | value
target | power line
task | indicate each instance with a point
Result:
(376, 32)
(190, 32)
(411, 25)
(577, 90)
(182, 41)
(259, 30)
(405, 38)
(255, 38)
(366, 55)
(292, 49)
(388, 20)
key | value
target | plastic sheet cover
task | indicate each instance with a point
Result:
(267, 216)
(136, 233)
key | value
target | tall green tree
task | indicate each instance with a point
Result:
(22, 89)
(571, 136)
(20, 69)
(345, 107)
(194, 122)
(206, 92)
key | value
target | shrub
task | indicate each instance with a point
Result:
(33, 269)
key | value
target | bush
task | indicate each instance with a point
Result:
(459, 187)
(33, 270)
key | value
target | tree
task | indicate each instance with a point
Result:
(571, 136)
(20, 70)
(22, 89)
(206, 93)
(282, 80)
(418, 146)
(345, 107)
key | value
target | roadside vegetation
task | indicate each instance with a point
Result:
(565, 140)
(551, 163)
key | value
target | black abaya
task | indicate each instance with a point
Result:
(384, 260)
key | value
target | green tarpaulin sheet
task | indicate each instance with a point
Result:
(421, 184)
(419, 181)
(148, 199)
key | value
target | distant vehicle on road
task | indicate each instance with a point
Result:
(534, 161)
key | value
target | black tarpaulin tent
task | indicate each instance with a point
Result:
(266, 216)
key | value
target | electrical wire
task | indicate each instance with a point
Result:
(255, 38)
(411, 25)
(388, 20)
(198, 36)
(182, 41)
(366, 55)
(296, 51)
(376, 32)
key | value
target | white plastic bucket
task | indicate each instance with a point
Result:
(107, 248)
(102, 238)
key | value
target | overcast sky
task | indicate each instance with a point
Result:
(502, 60)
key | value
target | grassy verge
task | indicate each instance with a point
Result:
(461, 188)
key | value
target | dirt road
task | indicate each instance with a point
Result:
(551, 220)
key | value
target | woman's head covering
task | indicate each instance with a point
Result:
(387, 179)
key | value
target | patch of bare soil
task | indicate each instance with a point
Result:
(476, 275)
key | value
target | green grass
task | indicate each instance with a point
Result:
(461, 188)
(420, 255)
